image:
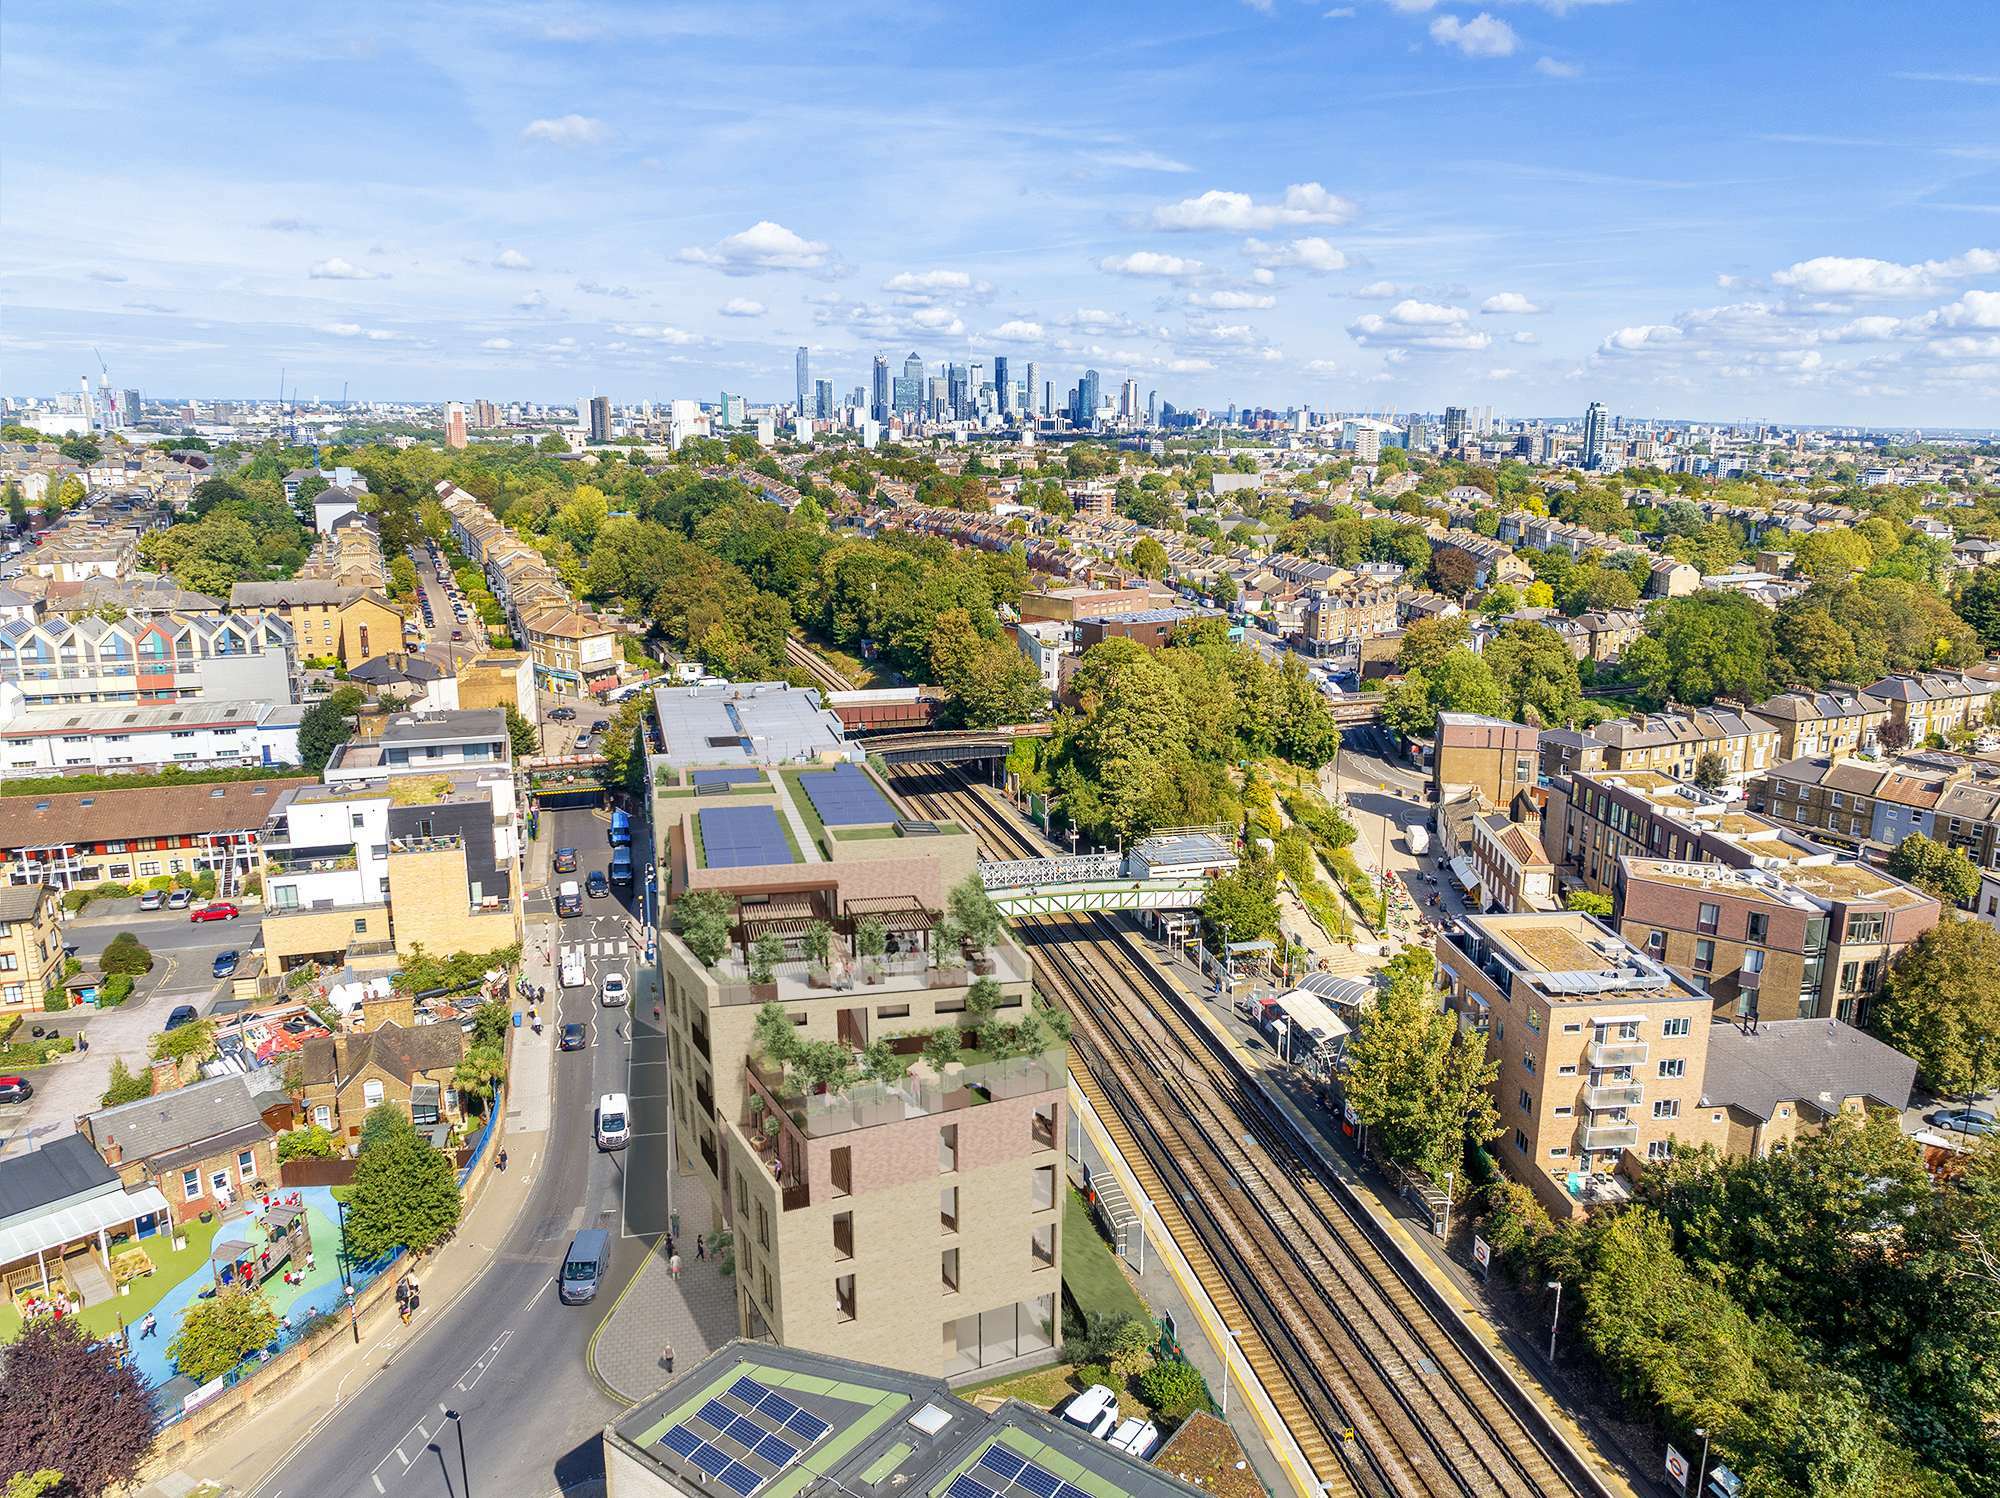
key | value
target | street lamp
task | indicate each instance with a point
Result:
(464, 1476)
(1701, 1472)
(1228, 1346)
(1557, 1286)
(346, 1267)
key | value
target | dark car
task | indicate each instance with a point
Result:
(16, 1089)
(565, 860)
(572, 1037)
(183, 1015)
(597, 884)
(598, 725)
(225, 963)
(220, 910)
(1964, 1120)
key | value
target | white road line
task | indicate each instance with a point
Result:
(378, 1483)
(524, 1306)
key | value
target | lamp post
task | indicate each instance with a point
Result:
(464, 1475)
(1228, 1347)
(346, 1267)
(1557, 1286)
(1700, 1472)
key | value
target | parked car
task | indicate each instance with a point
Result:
(152, 899)
(16, 1089)
(597, 886)
(180, 899)
(572, 1037)
(565, 860)
(225, 963)
(218, 910)
(598, 725)
(1964, 1120)
(582, 741)
(183, 1014)
(1094, 1412)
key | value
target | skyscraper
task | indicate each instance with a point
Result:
(129, 402)
(1593, 435)
(1003, 385)
(803, 369)
(600, 418)
(1034, 392)
(1128, 401)
(1152, 408)
(454, 425)
(881, 405)
(1088, 394)
(823, 399)
(1454, 425)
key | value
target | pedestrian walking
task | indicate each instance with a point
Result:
(670, 1245)
(501, 1163)
(667, 1359)
(701, 1245)
(674, 1266)
(149, 1326)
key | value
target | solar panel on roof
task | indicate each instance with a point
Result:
(746, 1430)
(681, 1441)
(729, 777)
(964, 1487)
(711, 1459)
(1071, 1490)
(1040, 1482)
(999, 1460)
(742, 1479)
(845, 797)
(738, 837)
(784, 1453)
(808, 1425)
(716, 1414)
(778, 1407)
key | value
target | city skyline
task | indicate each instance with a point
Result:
(1382, 206)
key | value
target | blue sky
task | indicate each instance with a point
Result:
(1680, 207)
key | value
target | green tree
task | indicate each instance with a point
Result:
(326, 725)
(126, 1086)
(218, 1333)
(308, 1142)
(1711, 770)
(1936, 868)
(1412, 1078)
(191, 1042)
(45, 1482)
(703, 918)
(1941, 1006)
(480, 1073)
(405, 1195)
(125, 954)
(1978, 604)
(1588, 902)
(71, 1403)
(1536, 672)
(380, 1124)
(1241, 905)
(988, 681)
(522, 736)
(1173, 1388)
(1427, 641)
(1701, 647)
(1149, 557)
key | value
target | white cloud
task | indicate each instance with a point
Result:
(741, 306)
(1338, 13)
(1303, 203)
(355, 330)
(598, 288)
(1482, 36)
(939, 320)
(1548, 67)
(1510, 302)
(534, 301)
(1324, 366)
(1380, 291)
(1976, 309)
(1141, 161)
(1418, 325)
(929, 281)
(1262, 7)
(1017, 330)
(1098, 320)
(678, 337)
(1646, 336)
(1232, 301)
(512, 260)
(1188, 366)
(1523, 337)
(762, 246)
(1310, 253)
(1839, 275)
(1412, 7)
(1502, 374)
(567, 130)
(498, 345)
(337, 269)
(1151, 264)
(1263, 275)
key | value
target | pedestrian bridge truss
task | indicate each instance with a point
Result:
(1081, 884)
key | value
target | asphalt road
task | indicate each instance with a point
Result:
(508, 1355)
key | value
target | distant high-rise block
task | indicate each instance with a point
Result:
(1593, 435)
(879, 408)
(805, 386)
(600, 418)
(454, 425)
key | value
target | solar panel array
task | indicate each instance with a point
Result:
(1000, 1471)
(735, 837)
(739, 776)
(749, 1429)
(844, 797)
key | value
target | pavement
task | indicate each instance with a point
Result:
(692, 1313)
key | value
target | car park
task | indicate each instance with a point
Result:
(16, 1089)
(225, 963)
(597, 886)
(152, 899)
(219, 910)
(180, 899)
(573, 1037)
(612, 993)
(183, 1014)
(1964, 1120)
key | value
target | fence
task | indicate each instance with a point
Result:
(469, 1156)
(338, 1171)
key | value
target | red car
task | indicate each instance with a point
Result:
(220, 911)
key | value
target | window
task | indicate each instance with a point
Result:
(1043, 1197)
(763, 1227)
(843, 1298)
(323, 1116)
(947, 1149)
(1678, 1026)
(1667, 1107)
(1673, 1067)
(1704, 956)
(8, 962)
(1659, 1149)
(1850, 974)
(360, 925)
(1709, 919)
(1656, 944)
(843, 1235)
(1558, 1151)
(1520, 1141)
(1528, 1062)
(1567, 1070)
(892, 1011)
(246, 1166)
(948, 1263)
(1042, 1127)
(1759, 929)
(948, 1208)
(1864, 928)
(371, 1093)
(1573, 1028)
(1527, 1103)
(1042, 1246)
(842, 1161)
(190, 1185)
(1566, 1111)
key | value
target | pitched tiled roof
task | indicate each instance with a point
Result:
(158, 811)
(400, 1052)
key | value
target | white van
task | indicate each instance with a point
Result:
(614, 1129)
(571, 972)
(1094, 1412)
(1135, 1436)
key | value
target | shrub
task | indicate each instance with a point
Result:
(308, 1143)
(126, 1086)
(125, 955)
(194, 1042)
(114, 990)
(56, 1000)
(1100, 1373)
(1174, 1389)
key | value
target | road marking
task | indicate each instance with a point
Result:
(378, 1483)
(477, 1371)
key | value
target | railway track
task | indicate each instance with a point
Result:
(810, 661)
(1379, 1393)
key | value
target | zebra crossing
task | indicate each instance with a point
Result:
(617, 947)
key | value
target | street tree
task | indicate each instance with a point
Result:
(1710, 770)
(1412, 1078)
(405, 1195)
(1942, 1006)
(1936, 868)
(74, 1405)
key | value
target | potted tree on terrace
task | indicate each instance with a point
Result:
(703, 918)
(871, 941)
(976, 920)
(819, 953)
(766, 952)
(941, 1048)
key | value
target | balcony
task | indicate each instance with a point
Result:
(1612, 1136)
(1610, 1095)
(922, 1094)
(1617, 1053)
(443, 843)
(308, 861)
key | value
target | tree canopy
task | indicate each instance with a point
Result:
(74, 1405)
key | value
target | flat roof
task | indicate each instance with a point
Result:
(750, 723)
(1569, 955)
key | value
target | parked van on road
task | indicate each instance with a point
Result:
(585, 1266)
(613, 1131)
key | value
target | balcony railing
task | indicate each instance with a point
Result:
(441, 843)
(1612, 1053)
(1613, 1095)
(919, 1095)
(1616, 1136)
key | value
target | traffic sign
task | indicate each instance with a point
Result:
(1677, 1468)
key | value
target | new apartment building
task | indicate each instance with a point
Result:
(1602, 1049)
(62, 662)
(913, 1220)
(1803, 940)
